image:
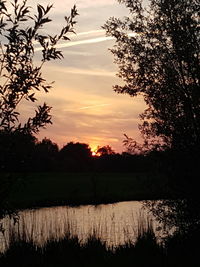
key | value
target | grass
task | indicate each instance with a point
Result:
(49, 189)
(178, 251)
(70, 251)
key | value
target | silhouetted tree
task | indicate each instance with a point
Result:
(158, 53)
(20, 74)
(16, 151)
(20, 70)
(75, 156)
(46, 153)
(105, 150)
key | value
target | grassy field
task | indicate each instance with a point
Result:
(48, 189)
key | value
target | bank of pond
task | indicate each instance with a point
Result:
(120, 234)
(57, 188)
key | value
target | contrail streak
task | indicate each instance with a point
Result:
(93, 32)
(95, 106)
(89, 41)
(86, 33)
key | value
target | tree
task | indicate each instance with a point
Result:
(157, 50)
(46, 153)
(158, 53)
(20, 75)
(17, 151)
(75, 156)
(105, 150)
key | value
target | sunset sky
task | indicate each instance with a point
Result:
(85, 107)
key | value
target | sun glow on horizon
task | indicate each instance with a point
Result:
(94, 150)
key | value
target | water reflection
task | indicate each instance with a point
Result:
(113, 223)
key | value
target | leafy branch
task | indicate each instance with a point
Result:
(20, 77)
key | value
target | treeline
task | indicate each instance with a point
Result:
(21, 152)
(24, 153)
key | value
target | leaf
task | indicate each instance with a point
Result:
(32, 98)
(40, 11)
(45, 20)
(49, 7)
(66, 38)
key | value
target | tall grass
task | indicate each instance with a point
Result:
(114, 224)
(145, 250)
(70, 251)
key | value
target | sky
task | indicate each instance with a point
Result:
(85, 107)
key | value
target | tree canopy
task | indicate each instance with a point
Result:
(21, 32)
(157, 50)
(20, 72)
(105, 150)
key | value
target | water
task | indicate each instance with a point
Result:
(113, 223)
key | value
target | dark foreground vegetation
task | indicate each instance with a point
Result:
(36, 173)
(178, 250)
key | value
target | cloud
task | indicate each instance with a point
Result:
(79, 3)
(85, 108)
(95, 129)
(95, 3)
(93, 72)
(93, 32)
(95, 106)
(95, 125)
(77, 53)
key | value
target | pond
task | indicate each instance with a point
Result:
(113, 223)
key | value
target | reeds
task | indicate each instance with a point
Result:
(146, 251)
(71, 251)
(25, 248)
